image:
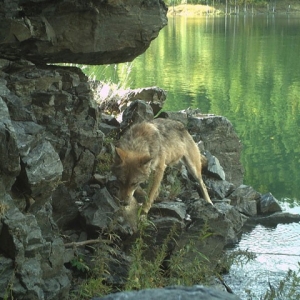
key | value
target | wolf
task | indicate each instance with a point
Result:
(146, 149)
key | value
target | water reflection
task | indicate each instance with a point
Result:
(246, 68)
(277, 251)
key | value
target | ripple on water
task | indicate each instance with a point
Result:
(277, 250)
(282, 240)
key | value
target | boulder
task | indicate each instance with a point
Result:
(218, 189)
(39, 260)
(245, 198)
(154, 96)
(267, 204)
(222, 219)
(274, 219)
(95, 32)
(112, 100)
(169, 293)
(98, 213)
(221, 140)
(170, 209)
(137, 112)
(213, 167)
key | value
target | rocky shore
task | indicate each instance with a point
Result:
(57, 191)
(198, 10)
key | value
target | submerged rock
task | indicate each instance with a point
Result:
(275, 219)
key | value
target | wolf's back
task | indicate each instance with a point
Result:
(142, 138)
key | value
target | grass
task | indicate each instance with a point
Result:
(146, 271)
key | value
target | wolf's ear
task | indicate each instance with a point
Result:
(145, 160)
(120, 154)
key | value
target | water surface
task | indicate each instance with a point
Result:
(246, 68)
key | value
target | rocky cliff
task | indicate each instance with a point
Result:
(49, 125)
(75, 31)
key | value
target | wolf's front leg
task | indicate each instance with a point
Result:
(154, 184)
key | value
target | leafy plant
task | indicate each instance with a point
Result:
(143, 272)
(79, 264)
(105, 157)
(96, 284)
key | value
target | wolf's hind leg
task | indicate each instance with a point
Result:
(193, 162)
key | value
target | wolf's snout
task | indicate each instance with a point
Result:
(124, 202)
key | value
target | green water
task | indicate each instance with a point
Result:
(244, 68)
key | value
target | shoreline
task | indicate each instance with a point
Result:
(198, 10)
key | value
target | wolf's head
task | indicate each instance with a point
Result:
(131, 169)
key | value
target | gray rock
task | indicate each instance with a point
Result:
(109, 120)
(38, 260)
(7, 274)
(180, 116)
(154, 96)
(49, 125)
(28, 135)
(222, 219)
(245, 198)
(170, 209)
(267, 204)
(42, 169)
(48, 32)
(137, 112)
(171, 293)
(275, 219)
(213, 166)
(99, 214)
(65, 211)
(218, 189)
(109, 129)
(9, 156)
(116, 101)
(220, 139)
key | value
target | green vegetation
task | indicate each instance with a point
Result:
(186, 266)
(105, 157)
